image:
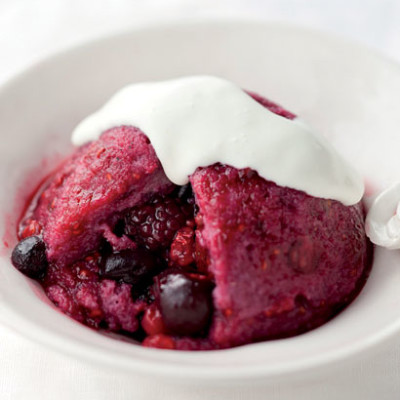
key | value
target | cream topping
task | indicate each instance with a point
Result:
(200, 120)
(383, 219)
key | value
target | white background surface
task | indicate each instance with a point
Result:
(30, 30)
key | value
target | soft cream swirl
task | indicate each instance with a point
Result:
(200, 120)
(383, 218)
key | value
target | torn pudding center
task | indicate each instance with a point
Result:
(164, 230)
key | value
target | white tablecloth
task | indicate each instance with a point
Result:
(32, 29)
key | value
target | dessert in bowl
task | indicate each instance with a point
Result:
(182, 221)
(345, 119)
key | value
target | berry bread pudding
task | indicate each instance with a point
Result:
(225, 259)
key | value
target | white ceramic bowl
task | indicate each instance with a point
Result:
(349, 93)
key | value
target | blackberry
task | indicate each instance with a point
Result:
(154, 224)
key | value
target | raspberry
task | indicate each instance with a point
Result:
(182, 248)
(154, 224)
(152, 322)
(159, 341)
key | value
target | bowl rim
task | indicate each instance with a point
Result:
(14, 319)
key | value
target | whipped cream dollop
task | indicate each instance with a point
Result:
(200, 120)
(382, 224)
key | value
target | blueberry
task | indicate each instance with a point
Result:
(130, 266)
(29, 257)
(185, 302)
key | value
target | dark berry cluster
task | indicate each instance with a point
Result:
(155, 224)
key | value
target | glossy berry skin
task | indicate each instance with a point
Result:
(130, 266)
(152, 322)
(185, 302)
(183, 247)
(29, 257)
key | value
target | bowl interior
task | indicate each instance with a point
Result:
(347, 92)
